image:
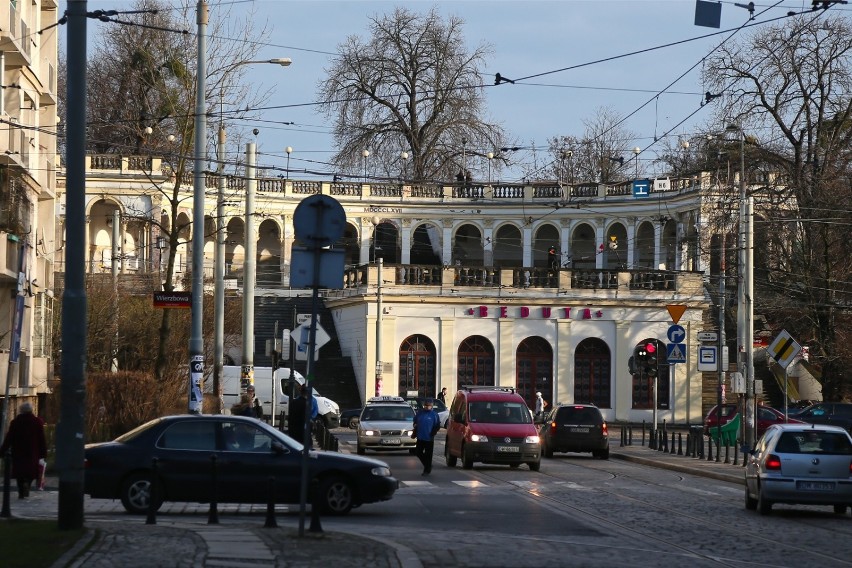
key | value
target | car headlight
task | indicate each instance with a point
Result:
(370, 432)
(407, 432)
(478, 438)
(381, 471)
(532, 440)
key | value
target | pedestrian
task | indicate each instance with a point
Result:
(28, 446)
(443, 395)
(296, 414)
(552, 259)
(426, 425)
(243, 407)
(257, 409)
(540, 405)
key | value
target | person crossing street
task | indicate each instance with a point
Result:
(426, 425)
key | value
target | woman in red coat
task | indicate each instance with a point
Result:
(26, 440)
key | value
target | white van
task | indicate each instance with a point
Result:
(329, 411)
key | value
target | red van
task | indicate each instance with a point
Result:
(491, 425)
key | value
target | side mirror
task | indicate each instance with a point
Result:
(353, 423)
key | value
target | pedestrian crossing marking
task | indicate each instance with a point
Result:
(470, 483)
(416, 483)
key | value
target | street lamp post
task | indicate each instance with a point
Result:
(289, 150)
(364, 154)
(490, 156)
(219, 252)
(637, 150)
(404, 157)
(745, 307)
(379, 265)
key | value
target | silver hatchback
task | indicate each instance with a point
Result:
(800, 464)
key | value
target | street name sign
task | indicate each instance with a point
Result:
(708, 336)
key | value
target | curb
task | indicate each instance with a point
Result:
(729, 477)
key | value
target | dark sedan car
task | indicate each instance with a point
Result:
(245, 452)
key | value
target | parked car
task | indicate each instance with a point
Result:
(800, 464)
(575, 428)
(347, 415)
(416, 402)
(386, 423)
(833, 413)
(248, 453)
(766, 416)
(491, 425)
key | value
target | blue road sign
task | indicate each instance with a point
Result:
(676, 334)
(676, 353)
(641, 188)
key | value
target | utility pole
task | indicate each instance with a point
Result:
(196, 338)
(247, 371)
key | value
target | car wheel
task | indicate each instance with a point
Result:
(514, 465)
(548, 450)
(840, 509)
(451, 459)
(467, 459)
(361, 451)
(535, 466)
(750, 502)
(136, 494)
(764, 505)
(601, 454)
(336, 496)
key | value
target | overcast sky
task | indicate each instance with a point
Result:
(552, 45)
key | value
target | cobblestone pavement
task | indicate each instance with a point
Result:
(240, 540)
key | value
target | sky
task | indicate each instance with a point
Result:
(569, 58)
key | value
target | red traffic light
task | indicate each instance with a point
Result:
(651, 348)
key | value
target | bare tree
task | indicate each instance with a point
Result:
(790, 85)
(141, 90)
(412, 87)
(602, 154)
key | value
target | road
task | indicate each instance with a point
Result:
(594, 512)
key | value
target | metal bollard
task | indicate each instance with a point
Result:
(718, 448)
(736, 454)
(623, 433)
(700, 447)
(7, 480)
(672, 448)
(151, 519)
(680, 443)
(709, 448)
(271, 523)
(643, 432)
(630, 435)
(727, 452)
(315, 527)
(213, 513)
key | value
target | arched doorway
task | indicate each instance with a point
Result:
(417, 366)
(534, 370)
(475, 362)
(592, 373)
(643, 382)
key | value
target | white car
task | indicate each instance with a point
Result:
(416, 402)
(386, 423)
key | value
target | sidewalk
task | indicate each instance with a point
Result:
(241, 540)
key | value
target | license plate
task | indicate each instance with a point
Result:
(580, 430)
(815, 486)
(391, 442)
(508, 449)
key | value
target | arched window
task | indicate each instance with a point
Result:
(535, 369)
(592, 373)
(475, 362)
(417, 366)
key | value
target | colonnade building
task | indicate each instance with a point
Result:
(540, 286)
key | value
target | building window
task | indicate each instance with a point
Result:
(592, 373)
(475, 362)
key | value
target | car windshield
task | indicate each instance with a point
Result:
(390, 413)
(500, 412)
(814, 442)
(127, 436)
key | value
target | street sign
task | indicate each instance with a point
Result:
(641, 188)
(708, 336)
(784, 349)
(708, 359)
(676, 311)
(676, 353)
(302, 335)
(172, 299)
(676, 334)
(319, 220)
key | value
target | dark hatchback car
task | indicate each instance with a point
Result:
(247, 454)
(831, 413)
(575, 428)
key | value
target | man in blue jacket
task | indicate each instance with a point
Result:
(426, 425)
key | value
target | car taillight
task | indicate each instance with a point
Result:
(605, 429)
(772, 462)
(553, 428)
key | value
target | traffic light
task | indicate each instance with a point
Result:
(638, 362)
(651, 360)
